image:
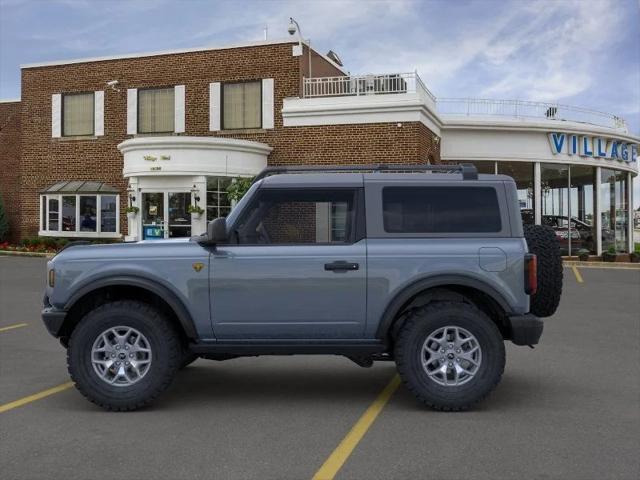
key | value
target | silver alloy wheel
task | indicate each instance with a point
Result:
(121, 356)
(451, 356)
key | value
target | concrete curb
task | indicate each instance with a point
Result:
(611, 265)
(11, 253)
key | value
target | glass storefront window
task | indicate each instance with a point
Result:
(108, 217)
(614, 210)
(53, 213)
(88, 213)
(581, 205)
(69, 213)
(218, 203)
(522, 173)
(555, 203)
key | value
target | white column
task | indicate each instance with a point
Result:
(537, 195)
(598, 212)
(630, 211)
(134, 222)
(199, 226)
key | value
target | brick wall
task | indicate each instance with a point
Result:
(46, 160)
(10, 163)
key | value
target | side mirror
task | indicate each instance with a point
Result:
(217, 230)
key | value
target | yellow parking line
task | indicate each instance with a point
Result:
(36, 396)
(11, 327)
(577, 274)
(332, 465)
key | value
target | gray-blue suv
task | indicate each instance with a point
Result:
(427, 266)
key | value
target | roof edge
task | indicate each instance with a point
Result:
(10, 100)
(156, 53)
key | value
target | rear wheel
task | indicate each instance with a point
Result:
(123, 355)
(542, 241)
(450, 355)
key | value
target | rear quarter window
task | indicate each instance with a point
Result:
(441, 210)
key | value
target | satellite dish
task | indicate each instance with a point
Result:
(334, 57)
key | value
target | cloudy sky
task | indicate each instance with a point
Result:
(579, 52)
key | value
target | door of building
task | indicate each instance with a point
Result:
(164, 215)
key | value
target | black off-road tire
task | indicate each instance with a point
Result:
(424, 321)
(165, 347)
(542, 241)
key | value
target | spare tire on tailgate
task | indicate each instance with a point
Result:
(543, 243)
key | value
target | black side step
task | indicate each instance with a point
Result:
(290, 347)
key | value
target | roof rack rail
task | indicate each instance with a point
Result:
(468, 171)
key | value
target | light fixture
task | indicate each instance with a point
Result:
(195, 192)
(292, 29)
(131, 192)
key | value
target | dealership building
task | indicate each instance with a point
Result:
(165, 130)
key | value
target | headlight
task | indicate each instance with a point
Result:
(52, 277)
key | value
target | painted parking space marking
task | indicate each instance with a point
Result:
(577, 274)
(11, 327)
(36, 396)
(332, 465)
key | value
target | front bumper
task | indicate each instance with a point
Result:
(53, 319)
(526, 329)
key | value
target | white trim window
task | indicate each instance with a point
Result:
(218, 203)
(77, 114)
(242, 105)
(65, 213)
(156, 110)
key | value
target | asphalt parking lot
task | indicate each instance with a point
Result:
(568, 409)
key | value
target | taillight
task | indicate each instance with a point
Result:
(530, 274)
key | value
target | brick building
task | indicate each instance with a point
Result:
(165, 130)
(159, 130)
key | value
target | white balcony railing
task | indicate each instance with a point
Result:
(397, 83)
(524, 109)
(357, 85)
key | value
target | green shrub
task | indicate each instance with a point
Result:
(4, 222)
(238, 187)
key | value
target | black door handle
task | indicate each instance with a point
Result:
(341, 266)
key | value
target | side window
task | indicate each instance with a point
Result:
(300, 217)
(440, 210)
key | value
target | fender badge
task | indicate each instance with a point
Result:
(198, 266)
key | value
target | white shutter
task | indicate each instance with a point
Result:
(98, 113)
(214, 106)
(267, 103)
(132, 111)
(56, 115)
(178, 109)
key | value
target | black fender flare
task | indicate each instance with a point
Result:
(408, 292)
(178, 307)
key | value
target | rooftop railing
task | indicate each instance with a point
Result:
(356, 85)
(527, 110)
(397, 83)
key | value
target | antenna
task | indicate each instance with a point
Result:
(266, 32)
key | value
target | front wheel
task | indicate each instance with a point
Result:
(123, 355)
(450, 355)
